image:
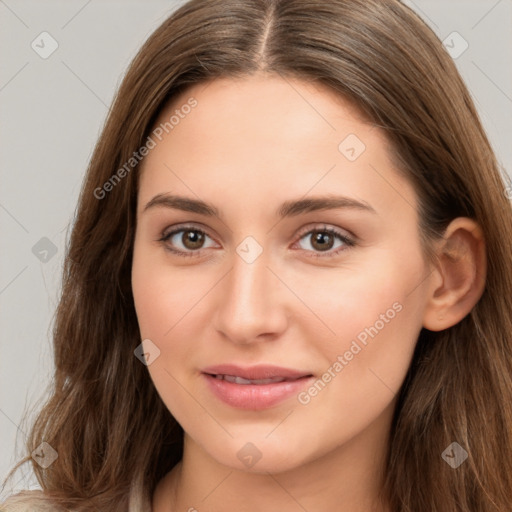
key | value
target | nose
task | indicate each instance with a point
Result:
(252, 302)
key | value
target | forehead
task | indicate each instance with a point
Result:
(263, 103)
(270, 136)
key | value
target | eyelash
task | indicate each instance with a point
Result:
(348, 242)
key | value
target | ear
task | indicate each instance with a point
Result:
(458, 279)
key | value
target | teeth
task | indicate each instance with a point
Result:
(236, 380)
(241, 380)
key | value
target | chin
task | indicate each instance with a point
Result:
(255, 454)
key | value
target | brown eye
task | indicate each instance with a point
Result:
(185, 241)
(192, 239)
(322, 241)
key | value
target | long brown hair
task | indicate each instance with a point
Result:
(380, 56)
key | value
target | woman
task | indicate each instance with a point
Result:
(286, 286)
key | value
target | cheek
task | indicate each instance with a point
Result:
(377, 321)
(349, 299)
(162, 299)
(170, 308)
(376, 316)
(163, 295)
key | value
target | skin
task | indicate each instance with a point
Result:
(249, 145)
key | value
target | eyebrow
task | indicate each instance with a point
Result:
(287, 209)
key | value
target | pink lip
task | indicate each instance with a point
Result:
(255, 396)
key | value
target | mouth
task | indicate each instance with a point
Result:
(257, 382)
(254, 388)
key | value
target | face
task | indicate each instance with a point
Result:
(269, 276)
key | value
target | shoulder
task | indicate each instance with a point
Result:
(29, 501)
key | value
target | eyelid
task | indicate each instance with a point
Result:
(348, 239)
(322, 226)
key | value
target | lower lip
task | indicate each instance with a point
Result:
(255, 396)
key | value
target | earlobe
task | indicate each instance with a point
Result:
(458, 279)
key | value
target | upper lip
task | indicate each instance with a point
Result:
(262, 371)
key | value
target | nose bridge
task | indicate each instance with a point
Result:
(249, 281)
(251, 302)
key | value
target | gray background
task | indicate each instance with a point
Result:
(52, 111)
